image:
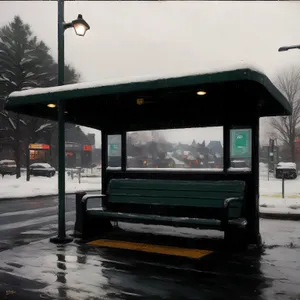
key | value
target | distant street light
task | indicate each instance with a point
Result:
(80, 26)
(286, 48)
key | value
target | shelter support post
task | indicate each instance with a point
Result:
(226, 146)
(104, 163)
(123, 152)
(252, 197)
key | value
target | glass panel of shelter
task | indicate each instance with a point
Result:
(190, 149)
(148, 150)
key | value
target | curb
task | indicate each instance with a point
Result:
(279, 216)
(46, 196)
(293, 196)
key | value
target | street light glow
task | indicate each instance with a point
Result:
(80, 29)
(201, 93)
(80, 26)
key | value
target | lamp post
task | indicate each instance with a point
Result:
(80, 26)
(286, 48)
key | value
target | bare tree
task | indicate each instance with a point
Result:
(288, 127)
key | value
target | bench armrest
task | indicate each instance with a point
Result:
(227, 203)
(86, 197)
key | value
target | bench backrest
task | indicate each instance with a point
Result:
(174, 197)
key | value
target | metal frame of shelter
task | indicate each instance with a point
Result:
(234, 99)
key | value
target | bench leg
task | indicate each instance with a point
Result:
(79, 215)
(94, 227)
(236, 238)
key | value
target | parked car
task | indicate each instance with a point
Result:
(239, 164)
(41, 169)
(286, 169)
(8, 167)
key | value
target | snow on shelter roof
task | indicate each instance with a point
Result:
(97, 104)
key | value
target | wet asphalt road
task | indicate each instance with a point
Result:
(41, 270)
(25, 220)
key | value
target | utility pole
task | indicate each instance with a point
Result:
(80, 27)
(61, 238)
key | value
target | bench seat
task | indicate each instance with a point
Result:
(217, 205)
(164, 220)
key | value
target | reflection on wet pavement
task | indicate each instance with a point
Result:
(45, 271)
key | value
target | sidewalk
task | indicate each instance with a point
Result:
(42, 270)
(12, 188)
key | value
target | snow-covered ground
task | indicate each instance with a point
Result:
(270, 190)
(10, 187)
(270, 205)
(271, 200)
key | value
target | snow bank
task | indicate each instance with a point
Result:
(94, 172)
(286, 165)
(10, 187)
(279, 205)
(274, 187)
(271, 200)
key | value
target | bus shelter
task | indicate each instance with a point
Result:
(234, 99)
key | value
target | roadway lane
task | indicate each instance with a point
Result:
(25, 220)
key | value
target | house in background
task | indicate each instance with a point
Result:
(216, 151)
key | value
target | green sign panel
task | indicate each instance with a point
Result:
(113, 149)
(240, 141)
(114, 145)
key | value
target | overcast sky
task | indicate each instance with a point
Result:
(168, 38)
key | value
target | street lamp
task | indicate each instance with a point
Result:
(80, 26)
(286, 48)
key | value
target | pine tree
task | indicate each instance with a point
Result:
(25, 62)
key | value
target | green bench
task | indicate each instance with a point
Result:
(197, 204)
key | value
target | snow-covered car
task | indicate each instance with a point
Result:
(8, 167)
(41, 169)
(286, 169)
(239, 164)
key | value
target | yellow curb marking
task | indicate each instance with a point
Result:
(279, 195)
(149, 248)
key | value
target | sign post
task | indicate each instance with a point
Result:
(271, 164)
